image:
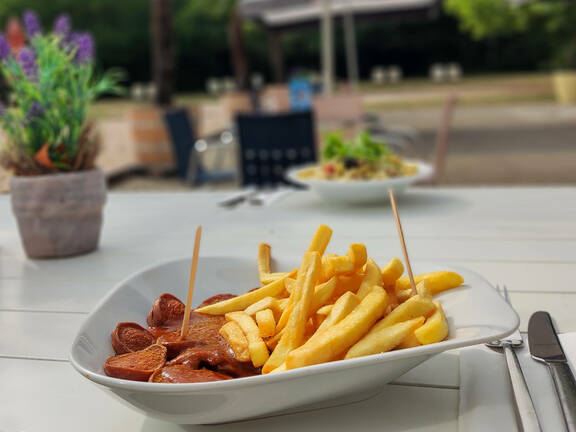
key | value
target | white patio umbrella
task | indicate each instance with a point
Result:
(291, 13)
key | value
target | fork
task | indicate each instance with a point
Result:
(527, 417)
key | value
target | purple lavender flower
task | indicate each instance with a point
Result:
(35, 110)
(85, 48)
(4, 48)
(27, 61)
(62, 25)
(32, 24)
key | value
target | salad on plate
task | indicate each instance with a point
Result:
(362, 158)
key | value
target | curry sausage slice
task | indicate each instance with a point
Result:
(129, 337)
(138, 365)
(166, 310)
(183, 373)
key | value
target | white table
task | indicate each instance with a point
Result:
(525, 238)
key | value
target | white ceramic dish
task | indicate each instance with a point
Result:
(476, 314)
(359, 191)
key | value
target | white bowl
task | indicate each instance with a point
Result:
(359, 191)
(476, 314)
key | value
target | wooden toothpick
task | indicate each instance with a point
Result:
(402, 241)
(193, 267)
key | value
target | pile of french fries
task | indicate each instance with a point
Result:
(331, 308)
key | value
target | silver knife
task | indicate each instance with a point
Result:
(545, 347)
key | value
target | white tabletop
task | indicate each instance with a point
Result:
(523, 237)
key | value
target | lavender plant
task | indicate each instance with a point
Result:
(52, 81)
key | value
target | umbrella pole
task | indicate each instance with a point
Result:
(351, 48)
(327, 30)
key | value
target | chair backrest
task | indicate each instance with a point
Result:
(181, 132)
(339, 110)
(275, 98)
(443, 135)
(271, 143)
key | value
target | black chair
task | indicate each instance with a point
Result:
(189, 165)
(269, 144)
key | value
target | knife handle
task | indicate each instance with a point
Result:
(524, 406)
(566, 389)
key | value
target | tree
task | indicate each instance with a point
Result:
(491, 18)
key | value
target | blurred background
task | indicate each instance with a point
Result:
(485, 89)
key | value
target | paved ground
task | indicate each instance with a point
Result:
(505, 144)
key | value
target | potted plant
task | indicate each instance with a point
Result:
(57, 193)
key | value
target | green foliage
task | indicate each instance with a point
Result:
(490, 18)
(483, 18)
(122, 33)
(362, 148)
(48, 105)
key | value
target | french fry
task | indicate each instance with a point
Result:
(322, 293)
(263, 261)
(392, 300)
(310, 328)
(286, 312)
(325, 310)
(392, 271)
(404, 294)
(421, 289)
(236, 338)
(298, 311)
(272, 277)
(279, 354)
(337, 265)
(436, 281)
(265, 303)
(308, 276)
(242, 302)
(435, 329)
(342, 308)
(372, 277)
(282, 303)
(409, 341)
(412, 308)
(358, 255)
(258, 349)
(320, 240)
(266, 323)
(280, 368)
(289, 284)
(340, 337)
(346, 283)
(384, 339)
(318, 320)
(271, 342)
(325, 267)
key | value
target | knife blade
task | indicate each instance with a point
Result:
(545, 347)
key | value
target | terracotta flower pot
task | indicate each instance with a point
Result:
(61, 214)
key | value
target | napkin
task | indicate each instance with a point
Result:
(486, 399)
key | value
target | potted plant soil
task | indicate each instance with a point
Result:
(57, 193)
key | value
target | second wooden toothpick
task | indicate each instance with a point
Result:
(193, 267)
(402, 241)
